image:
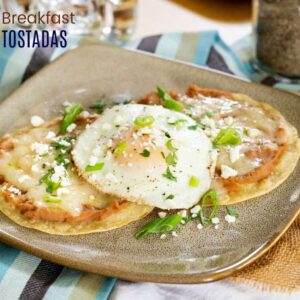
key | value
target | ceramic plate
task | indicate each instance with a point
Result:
(195, 255)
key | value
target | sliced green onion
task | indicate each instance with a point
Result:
(194, 181)
(96, 167)
(143, 121)
(207, 114)
(170, 147)
(167, 134)
(170, 197)
(210, 199)
(99, 106)
(178, 123)
(145, 153)
(232, 212)
(52, 199)
(169, 102)
(196, 126)
(227, 136)
(70, 115)
(165, 224)
(169, 175)
(171, 159)
(51, 185)
(120, 148)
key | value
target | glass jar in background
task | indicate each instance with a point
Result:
(87, 18)
(119, 20)
(277, 37)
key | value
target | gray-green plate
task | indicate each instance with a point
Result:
(195, 255)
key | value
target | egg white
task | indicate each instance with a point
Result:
(140, 179)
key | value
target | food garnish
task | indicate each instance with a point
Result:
(96, 167)
(160, 225)
(70, 115)
(169, 102)
(143, 121)
(99, 106)
(227, 136)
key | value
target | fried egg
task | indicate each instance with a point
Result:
(146, 154)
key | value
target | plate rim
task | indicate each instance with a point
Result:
(113, 271)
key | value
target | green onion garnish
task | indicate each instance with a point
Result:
(99, 106)
(178, 123)
(169, 102)
(170, 147)
(196, 126)
(70, 115)
(167, 134)
(194, 181)
(210, 199)
(232, 212)
(143, 121)
(52, 199)
(207, 114)
(171, 159)
(51, 185)
(170, 197)
(96, 167)
(145, 153)
(165, 224)
(227, 136)
(120, 148)
(169, 175)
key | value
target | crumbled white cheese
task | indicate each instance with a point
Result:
(50, 135)
(163, 236)
(216, 226)
(174, 233)
(215, 220)
(97, 151)
(23, 178)
(59, 173)
(39, 148)
(106, 127)
(62, 191)
(253, 133)
(109, 143)
(84, 114)
(13, 190)
(227, 172)
(65, 182)
(71, 127)
(111, 177)
(36, 121)
(195, 209)
(65, 143)
(118, 121)
(182, 222)
(162, 214)
(208, 122)
(34, 168)
(199, 226)
(228, 121)
(183, 213)
(230, 219)
(93, 160)
(194, 216)
(234, 153)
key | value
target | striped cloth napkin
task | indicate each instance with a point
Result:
(23, 276)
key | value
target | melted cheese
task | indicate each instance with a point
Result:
(256, 128)
(17, 168)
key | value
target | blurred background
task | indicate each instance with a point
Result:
(122, 20)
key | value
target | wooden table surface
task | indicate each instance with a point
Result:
(232, 18)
